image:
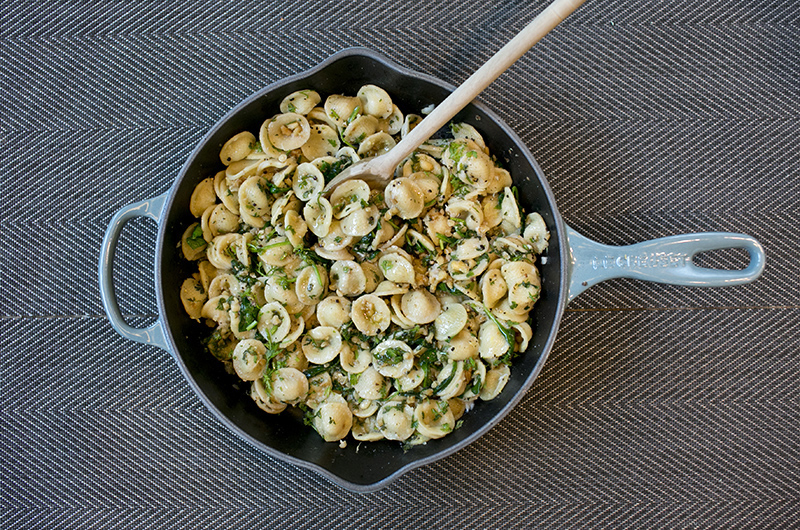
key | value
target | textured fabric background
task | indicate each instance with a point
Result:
(660, 407)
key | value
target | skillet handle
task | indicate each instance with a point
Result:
(153, 335)
(663, 260)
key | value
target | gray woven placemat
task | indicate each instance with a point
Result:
(660, 407)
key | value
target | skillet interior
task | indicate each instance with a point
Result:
(366, 466)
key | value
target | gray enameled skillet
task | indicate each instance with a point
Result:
(571, 264)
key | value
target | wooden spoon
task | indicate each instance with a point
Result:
(379, 170)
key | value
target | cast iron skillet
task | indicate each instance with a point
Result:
(571, 264)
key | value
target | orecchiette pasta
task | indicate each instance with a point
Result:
(381, 313)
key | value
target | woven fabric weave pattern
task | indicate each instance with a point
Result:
(659, 406)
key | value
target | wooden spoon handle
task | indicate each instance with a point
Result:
(483, 77)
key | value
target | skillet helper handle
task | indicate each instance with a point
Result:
(154, 334)
(663, 260)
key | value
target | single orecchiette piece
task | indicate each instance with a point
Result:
(376, 144)
(525, 333)
(308, 181)
(428, 185)
(334, 311)
(274, 322)
(349, 197)
(370, 384)
(222, 250)
(372, 276)
(500, 180)
(536, 232)
(333, 421)
(360, 128)
(496, 380)
(397, 313)
(281, 206)
(216, 309)
(348, 278)
(207, 274)
(408, 382)
(366, 408)
(420, 306)
(524, 284)
(348, 153)
(224, 285)
(222, 220)
(341, 109)
(393, 358)
(478, 168)
(237, 148)
(510, 213)
(404, 196)
(301, 102)
(411, 121)
(319, 389)
(225, 193)
(396, 268)
(394, 123)
(493, 343)
(396, 421)
(322, 344)
(468, 211)
(450, 321)
(289, 385)
(370, 314)
(298, 326)
(471, 248)
(361, 222)
(375, 101)
(335, 239)
(318, 116)
(493, 287)
(203, 196)
(464, 345)
(387, 288)
(295, 228)
(434, 418)
(254, 204)
(318, 214)
(237, 172)
(288, 131)
(193, 297)
(332, 255)
(468, 132)
(323, 141)
(354, 359)
(249, 359)
(451, 381)
(259, 394)
(311, 284)
(491, 211)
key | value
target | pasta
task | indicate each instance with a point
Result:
(382, 314)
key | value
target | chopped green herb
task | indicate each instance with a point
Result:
(248, 314)
(390, 355)
(196, 240)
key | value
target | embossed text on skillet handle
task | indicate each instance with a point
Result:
(663, 260)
